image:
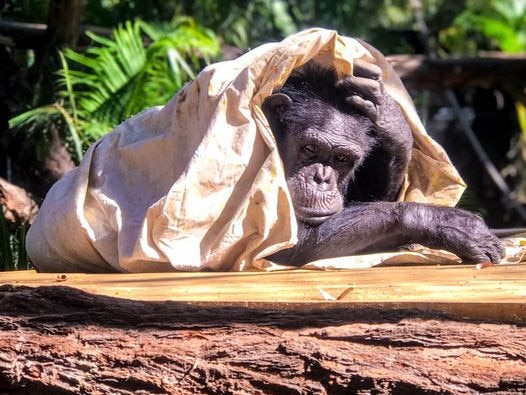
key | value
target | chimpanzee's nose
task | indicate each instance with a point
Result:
(322, 175)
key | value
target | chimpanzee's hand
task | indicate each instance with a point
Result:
(365, 91)
(456, 230)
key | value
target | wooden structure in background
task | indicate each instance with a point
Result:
(417, 71)
(496, 70)
(452, 330)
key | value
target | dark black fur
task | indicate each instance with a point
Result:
(345, 166)
(314, 93)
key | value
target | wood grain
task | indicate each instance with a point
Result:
(497, 292)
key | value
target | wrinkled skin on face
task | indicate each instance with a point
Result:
(345, 146)
(320, 161)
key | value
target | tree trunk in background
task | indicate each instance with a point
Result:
(58, 161)
(63, 30)
(64, 22)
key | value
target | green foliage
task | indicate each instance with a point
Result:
(113, 12)
(248, 23)
(34, 11)
(13, 254)
(494, 24)
(36, 124)
(242, 23)
(117, 78)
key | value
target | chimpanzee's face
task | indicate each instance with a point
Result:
(320, 149)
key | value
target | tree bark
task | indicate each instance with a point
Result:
(64, 21)
(61, 340)
(16, 205)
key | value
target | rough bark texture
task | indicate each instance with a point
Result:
(58, 161)
(60, 340)
(16, 204)
(64, 21)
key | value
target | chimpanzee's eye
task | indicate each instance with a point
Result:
(342, 158)
(311, 148)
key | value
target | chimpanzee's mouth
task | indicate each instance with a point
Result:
(311, 216)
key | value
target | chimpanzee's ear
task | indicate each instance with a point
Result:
(275, 102)
(273, 108)
(278, 99)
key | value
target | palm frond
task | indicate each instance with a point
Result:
(69, 85)
(121, 77)
(143, 65)
(32, 116)
(109, 68)
(71, 126)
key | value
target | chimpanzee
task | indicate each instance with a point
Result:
(345, 146)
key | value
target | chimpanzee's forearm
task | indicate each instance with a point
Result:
(385, 226)
(353, 231)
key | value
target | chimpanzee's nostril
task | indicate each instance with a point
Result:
(322, 175)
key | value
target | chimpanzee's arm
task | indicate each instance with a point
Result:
(386, 226)
(388, 161)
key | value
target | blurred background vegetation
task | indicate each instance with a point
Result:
(70, 70)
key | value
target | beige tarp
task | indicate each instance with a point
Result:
(198, 184)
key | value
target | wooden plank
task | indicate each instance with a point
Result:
(497, 292)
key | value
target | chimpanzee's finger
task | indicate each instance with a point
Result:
(487, 249)
(494, 255)
(362, 68)
(498, 251)
(365, 87)
(365, 106)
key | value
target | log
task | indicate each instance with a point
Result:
(21, 34)
(58, 339)
(16, 204)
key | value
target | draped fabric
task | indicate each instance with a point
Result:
(198, 184)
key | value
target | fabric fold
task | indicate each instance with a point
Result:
(198, 184)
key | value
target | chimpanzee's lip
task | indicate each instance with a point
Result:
(311, 216)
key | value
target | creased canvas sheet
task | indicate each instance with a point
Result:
(198, 184)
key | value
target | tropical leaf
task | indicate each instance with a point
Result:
(510, 10)
(109, 68)
(121, 77)
(71, 125)
(505, 35)
(501, 22)
(33, 116)
(141, 66)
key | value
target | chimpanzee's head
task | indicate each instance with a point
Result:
(320, 139)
